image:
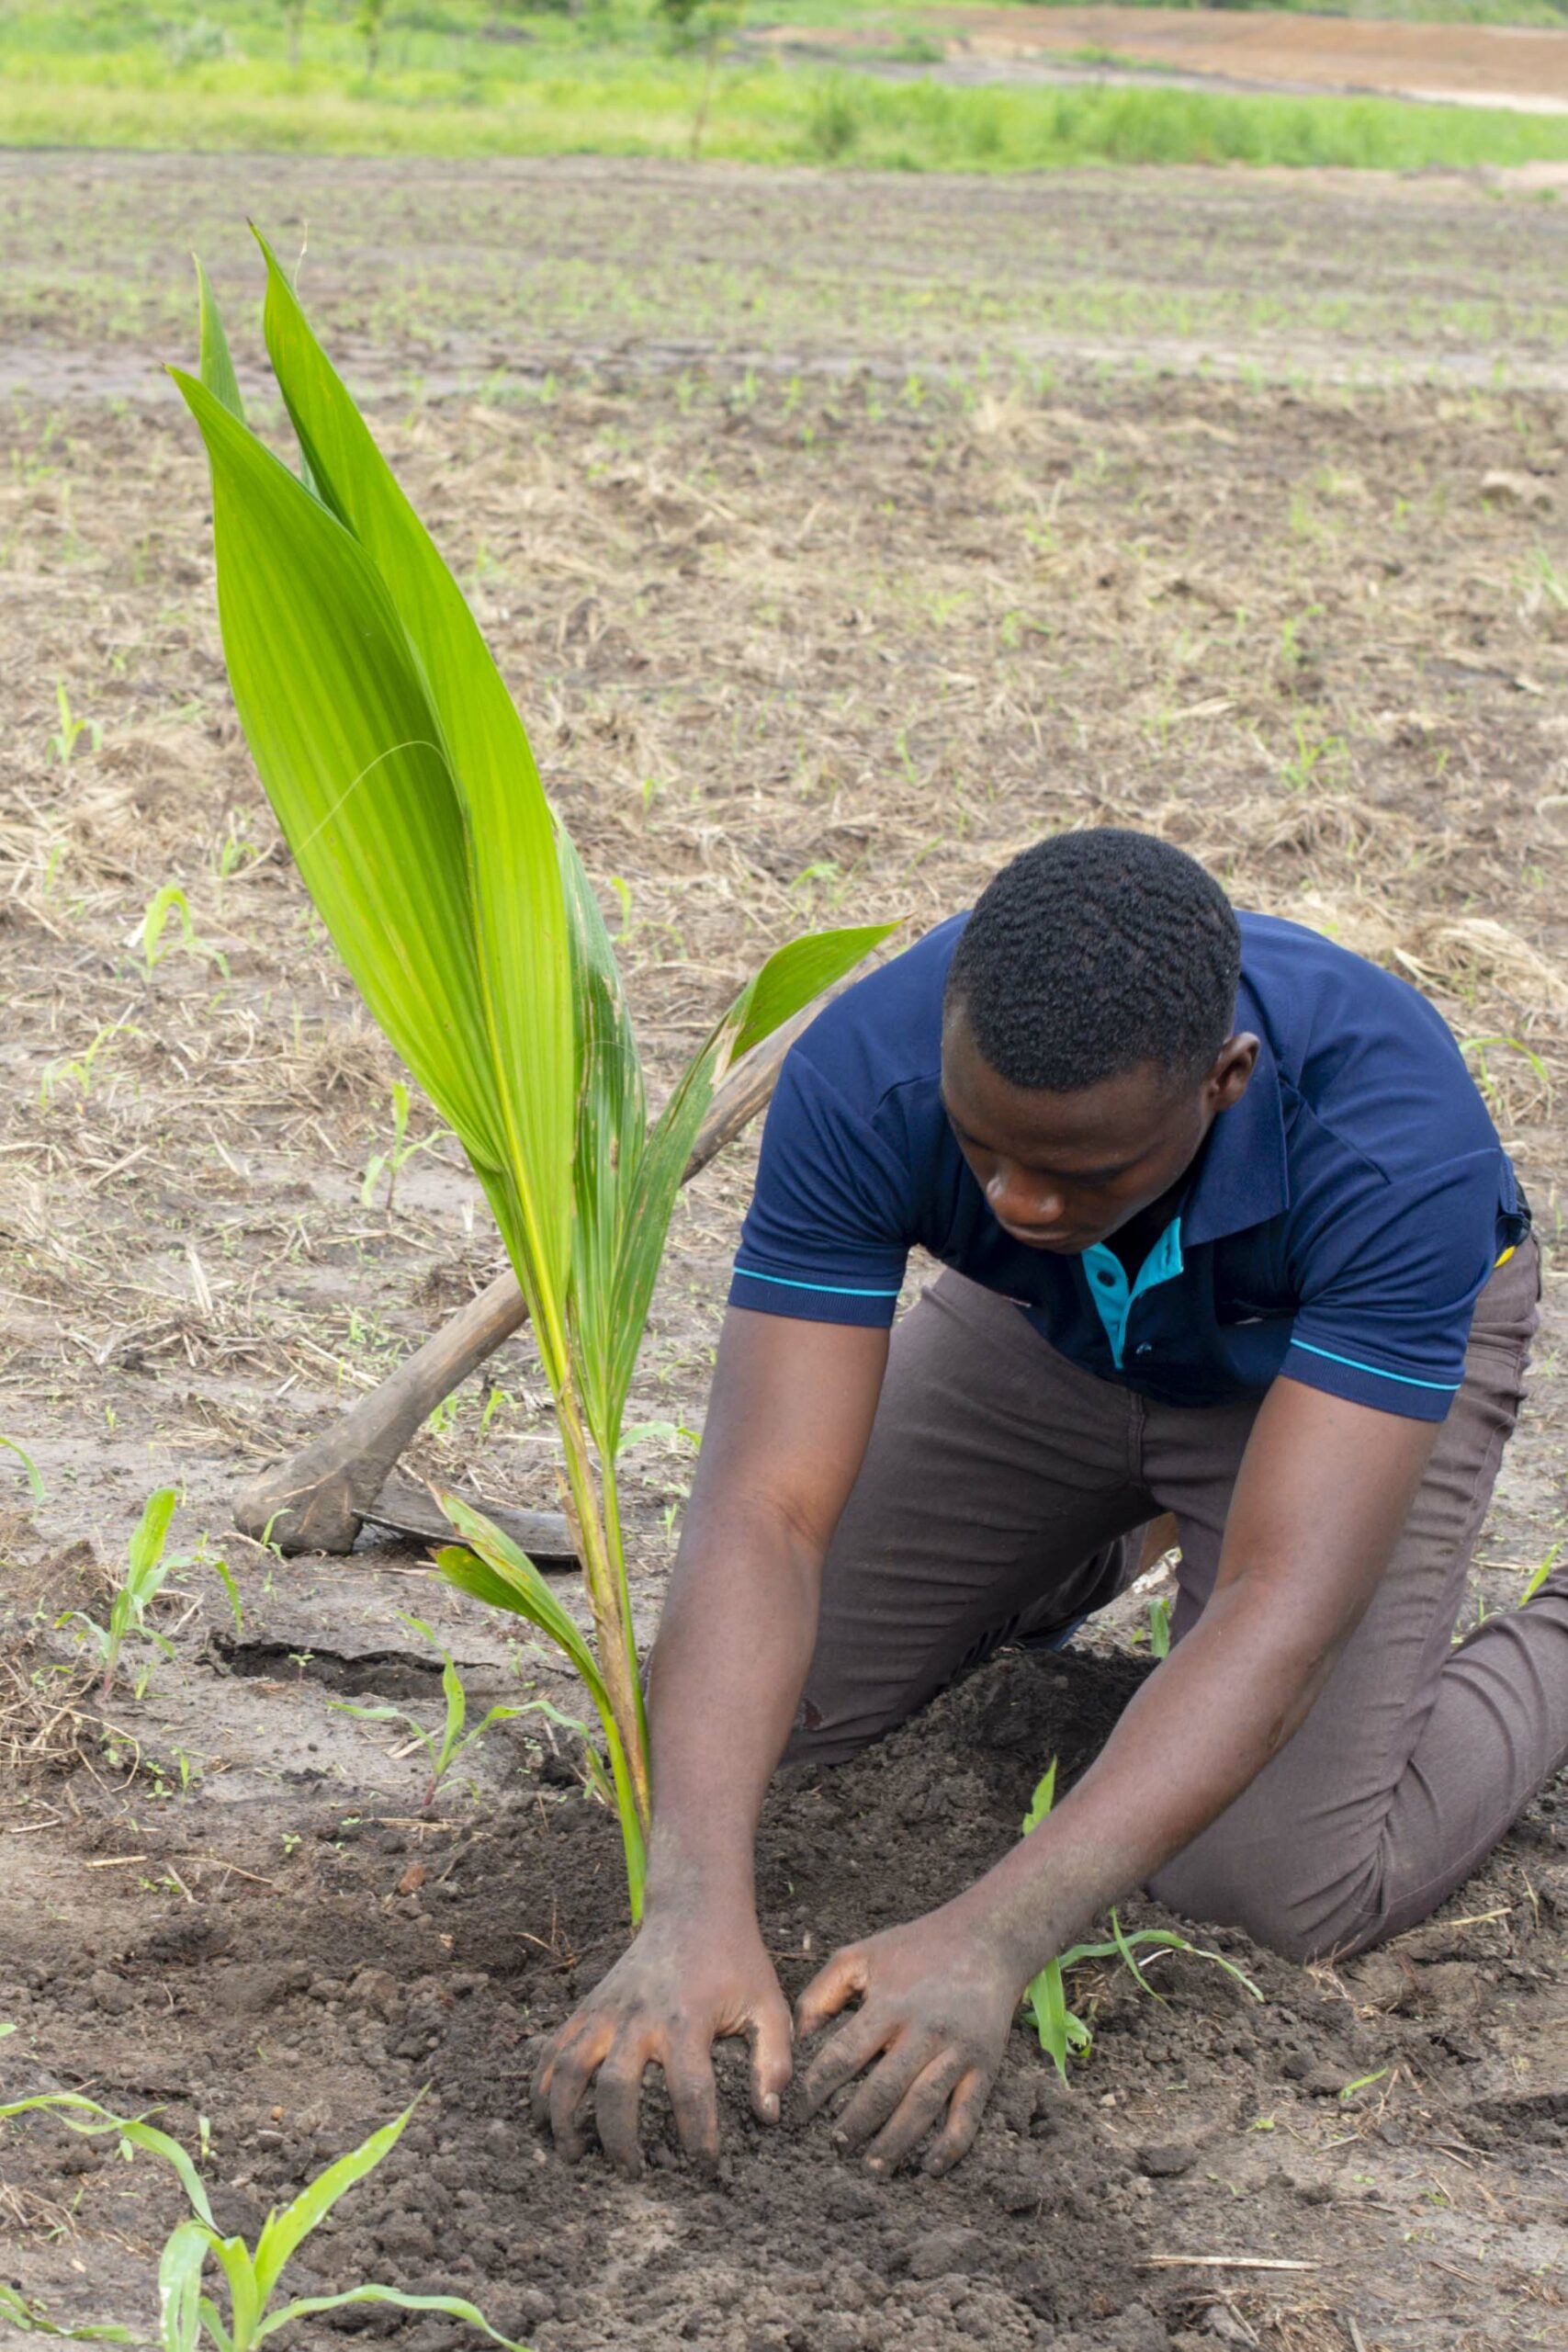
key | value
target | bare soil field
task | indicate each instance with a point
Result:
(1523, 65)
(837, 537)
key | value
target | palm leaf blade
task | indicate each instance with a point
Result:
(794, 975)
(350, 752)
(650, 1177)
(520, 920)
(216, 367)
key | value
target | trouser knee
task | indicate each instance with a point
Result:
(1299, 1923)
(817, 1739)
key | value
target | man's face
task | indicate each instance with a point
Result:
(1063, 1171)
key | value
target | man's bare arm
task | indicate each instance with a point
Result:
(791, 1411)
(1324, 1491)
(793, 1405)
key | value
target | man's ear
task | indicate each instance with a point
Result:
(1232, 1073)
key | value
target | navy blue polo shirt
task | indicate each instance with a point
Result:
(1337, 1224)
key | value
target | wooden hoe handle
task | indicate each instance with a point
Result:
(318, 1501)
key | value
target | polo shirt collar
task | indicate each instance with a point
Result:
(1244, 1176)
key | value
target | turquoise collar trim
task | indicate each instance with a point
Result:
(1113, 1296)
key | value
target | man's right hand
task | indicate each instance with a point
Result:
(684, 1981)
(792, 1407)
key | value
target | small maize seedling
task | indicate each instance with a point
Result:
(1063, 2034)
(404, 780)
(237, 852)
(140, 1584)
(1159, 1626)
(64, 741)
(1538, 1577)
(32, 2319)
(149, 934)
(29, 1466)
(186, 2316)
(225, 1575)
(83, 1067)
(1540, 582)
(391, 1163)
(456, 1734)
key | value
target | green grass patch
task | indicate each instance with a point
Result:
(449, 83)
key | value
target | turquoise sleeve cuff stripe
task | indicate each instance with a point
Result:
(1447, 1388)
(834, 1290)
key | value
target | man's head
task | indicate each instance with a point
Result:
(1088, 1039)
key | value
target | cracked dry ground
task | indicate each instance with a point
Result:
(837, 535)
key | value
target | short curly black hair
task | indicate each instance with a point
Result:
(1094, 952)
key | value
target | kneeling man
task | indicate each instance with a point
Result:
(1227, 1234)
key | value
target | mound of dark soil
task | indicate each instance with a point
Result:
(1203, 2124)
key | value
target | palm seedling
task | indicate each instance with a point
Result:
(402, 778)
(1063, 2033)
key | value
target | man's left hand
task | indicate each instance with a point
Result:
(937, 2003)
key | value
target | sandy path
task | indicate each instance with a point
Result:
(1463, 64)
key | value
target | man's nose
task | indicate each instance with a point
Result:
(1018, 1198)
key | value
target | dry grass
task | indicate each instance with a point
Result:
(50, 1718)
(786, 653)
(792, 644)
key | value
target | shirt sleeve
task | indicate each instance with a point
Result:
(827, 1232)
(1390, 1287)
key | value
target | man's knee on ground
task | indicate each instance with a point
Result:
(817, 1739)
(1300, 1922)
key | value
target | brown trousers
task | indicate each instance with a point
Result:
(1004, 1493)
